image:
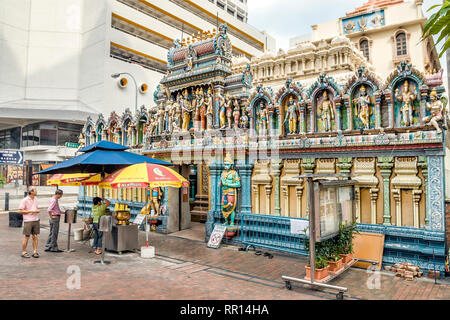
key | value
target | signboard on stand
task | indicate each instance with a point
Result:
(216, 236)
(139, 219)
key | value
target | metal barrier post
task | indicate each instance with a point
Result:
(7, 201)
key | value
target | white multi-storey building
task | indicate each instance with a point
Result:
(57, 58)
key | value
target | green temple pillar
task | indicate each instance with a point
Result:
(276, 171)
(386, 164)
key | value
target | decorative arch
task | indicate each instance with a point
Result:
(100, 127)
(351, 118)
(405, 72)
(315, 96)
(261, 98)
(126, 124)
(113, 128)
(294, 90)
(141, 121)
(88, 127)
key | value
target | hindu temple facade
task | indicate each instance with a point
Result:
(221, 126)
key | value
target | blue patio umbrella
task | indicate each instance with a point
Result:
(101, 157)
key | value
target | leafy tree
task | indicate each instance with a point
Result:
(439, 25)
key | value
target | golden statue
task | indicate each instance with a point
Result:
(222, 114)
(186, 107)
(326, 112)
(406, 97)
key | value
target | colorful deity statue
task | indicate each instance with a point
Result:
(156, 195)
(244, 121)
(177, 111)
(229, 181)
(222, 114)
(104, 135)
(160, 114)
(362, 107)
(170, 111)
(186, 107)
(437, 109)
(262, 119)
(130, 136)
(236, 113)
(209, 102)
(81, 140)
(291, 116)
(326, 112)
(229, 110)
(407, 98)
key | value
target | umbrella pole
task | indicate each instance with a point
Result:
(146, 214)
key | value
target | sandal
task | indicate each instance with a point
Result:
(35, 255)
(25, 255)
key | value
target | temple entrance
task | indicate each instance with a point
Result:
(198, 192)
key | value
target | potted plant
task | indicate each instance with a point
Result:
(335, 264)
(346, 235)
(321, 270)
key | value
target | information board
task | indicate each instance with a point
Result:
(216, 236)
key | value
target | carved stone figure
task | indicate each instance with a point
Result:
(160, 116)
(229, 181)
(209, 102)
(291, 116)
(186, 107)
(362, 107)
(177, 111)
(244, 121)
(406, 97)
(262, 120)
(222, 116)
(130, 136)
(81, 140)
(436, 107)
(236, 113)
(326, 112)
(229, 103)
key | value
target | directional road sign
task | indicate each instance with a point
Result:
(11, 157)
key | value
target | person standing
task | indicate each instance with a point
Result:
(98, 210)
(31, 225)
(55, 215)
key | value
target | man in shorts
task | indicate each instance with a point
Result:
(31, 226)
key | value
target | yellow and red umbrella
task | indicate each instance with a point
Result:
(144, 175)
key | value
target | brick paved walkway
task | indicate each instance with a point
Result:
(183, 269)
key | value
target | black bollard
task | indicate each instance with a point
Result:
(7, 201)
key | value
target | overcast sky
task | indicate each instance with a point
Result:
(284, 19)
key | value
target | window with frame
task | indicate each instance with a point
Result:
(364, 47)
(400, 41)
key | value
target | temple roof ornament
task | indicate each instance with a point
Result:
(371, 5)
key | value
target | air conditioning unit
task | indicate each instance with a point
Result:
(122, 83)
(143, 88)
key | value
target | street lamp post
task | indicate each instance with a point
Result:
(116, 75)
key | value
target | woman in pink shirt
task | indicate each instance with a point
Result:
(29, 209)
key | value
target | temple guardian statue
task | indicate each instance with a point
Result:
(362, 107)
(437, 109)
(326, 112)
(209, 109)
(291, 116)
(229, 181)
